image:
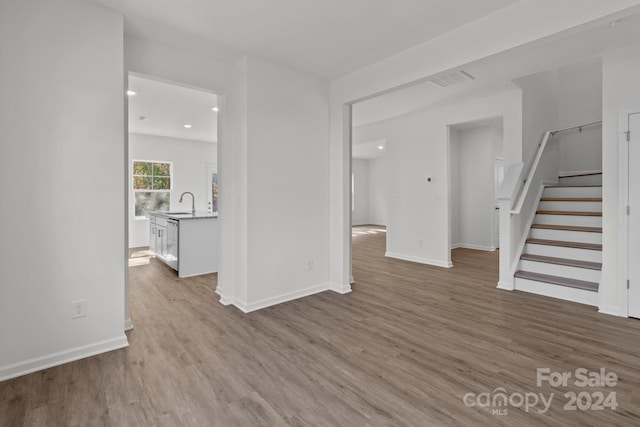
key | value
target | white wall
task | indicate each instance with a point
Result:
(539, 110)
(620, 93)
(472, 190)
(580, 102)
(62, 170)
(360, 171)
(417, 148)
(176, 66)
(281, 119)
(378, 191)
(189, 160)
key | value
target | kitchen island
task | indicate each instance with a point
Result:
(186, 242)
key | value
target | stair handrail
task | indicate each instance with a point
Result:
(534, 166)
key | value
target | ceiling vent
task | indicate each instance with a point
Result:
(451, 79)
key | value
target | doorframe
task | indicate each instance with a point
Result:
(623, 202)
(498, 161)
(220, 94)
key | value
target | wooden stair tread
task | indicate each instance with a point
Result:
(556, 280)
(574, 213)
(580, 174)
(565, 244)
(563, 261)
(568, 228)
(571, 199)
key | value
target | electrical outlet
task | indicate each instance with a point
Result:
(79, 309)
(310, 265)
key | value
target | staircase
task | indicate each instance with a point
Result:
(562, 257)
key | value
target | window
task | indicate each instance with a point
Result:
(151, 186)
(212, 185)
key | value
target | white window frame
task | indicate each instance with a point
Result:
(134, 191)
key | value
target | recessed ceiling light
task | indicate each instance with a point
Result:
(131, 93)
(188, 126)
(380, 147)
(216, 109)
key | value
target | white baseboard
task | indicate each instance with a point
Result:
(39, 363)
(341, 289)
(247, 307)
(505, 286)
(610, 310)
(426, 261)
(474, 247)
(224, 300)
(128, 325)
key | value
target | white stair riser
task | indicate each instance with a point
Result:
(570, 206)
(556, 291)
(566, 236)
(577, 220)
(581, 180)
(562, 252)
(561, 270)
(572, 192)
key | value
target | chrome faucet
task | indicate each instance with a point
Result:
(193, 202)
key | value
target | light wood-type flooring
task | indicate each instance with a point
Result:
(403, 349)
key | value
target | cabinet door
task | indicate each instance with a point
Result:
(161, 241)
(152, 236)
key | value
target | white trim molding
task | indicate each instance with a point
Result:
(248, 307)
(420, 260)
(611, 311)
(505, 286)
(39, 363)
(473, 247)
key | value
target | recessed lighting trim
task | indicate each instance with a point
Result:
(215, 109)
(380, 147)
(188, 126)
(131, 93)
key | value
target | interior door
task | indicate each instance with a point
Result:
(634, 217)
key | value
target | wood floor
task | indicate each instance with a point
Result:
(402, 349)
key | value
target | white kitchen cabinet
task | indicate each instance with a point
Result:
(198, 246)
(153, 233)
(161, 238)
(187, 243)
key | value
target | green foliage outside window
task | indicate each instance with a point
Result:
(152, 186)
(151, 176)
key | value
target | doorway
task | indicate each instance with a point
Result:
(476, 171)
(172, 136)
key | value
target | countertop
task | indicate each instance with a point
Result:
(185, 215)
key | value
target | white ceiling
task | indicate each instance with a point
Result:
(496, 74)
(370, 149)
(166, 108)
(325, 38)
